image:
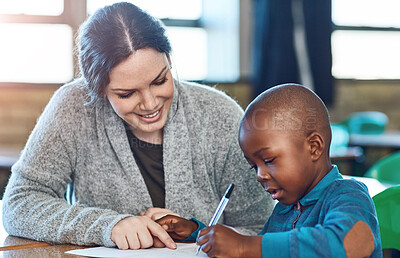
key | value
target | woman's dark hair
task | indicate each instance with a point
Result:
(110, 36)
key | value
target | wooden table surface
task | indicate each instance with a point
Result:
(389, 140)
(20, 247)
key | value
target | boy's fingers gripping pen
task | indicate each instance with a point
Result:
(219, 210)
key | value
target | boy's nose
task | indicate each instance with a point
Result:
(262, 176)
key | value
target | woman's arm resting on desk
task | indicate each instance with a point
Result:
(34, 206)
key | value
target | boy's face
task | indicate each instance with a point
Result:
(282, 160)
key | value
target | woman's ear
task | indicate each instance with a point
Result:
(169, 61)
(317, 145)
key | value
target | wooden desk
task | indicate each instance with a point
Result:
(388, 140)
(47, 251)
(348, 153)
(349, 160)
(19, 247)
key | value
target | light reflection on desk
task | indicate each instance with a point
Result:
(374, 186)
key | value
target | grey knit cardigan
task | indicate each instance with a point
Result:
(85, 148)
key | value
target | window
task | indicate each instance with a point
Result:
(29, 7)
(30, 55)
(37, 42)
(39, 37)
(365, 39)
(203, 33)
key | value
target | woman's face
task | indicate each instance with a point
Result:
(140, 91)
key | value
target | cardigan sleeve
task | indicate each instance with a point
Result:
(347, 209)
(34, 206)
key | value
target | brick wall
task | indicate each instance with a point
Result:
(19, 109)
(21, 106)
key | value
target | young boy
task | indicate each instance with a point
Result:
(285, 136)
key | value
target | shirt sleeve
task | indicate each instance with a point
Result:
(326, 238)
(193, 236)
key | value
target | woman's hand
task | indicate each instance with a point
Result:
(221, 241)
(177, 227)
(157, 213)
(140, 232)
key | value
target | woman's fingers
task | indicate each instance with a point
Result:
(157, 213)
(145, 239)
(121, 242)
(157, 231)
(157, 243)
(133, 241)
(139, 232)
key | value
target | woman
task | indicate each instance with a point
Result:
(126, 137)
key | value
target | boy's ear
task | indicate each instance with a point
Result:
(316, 144)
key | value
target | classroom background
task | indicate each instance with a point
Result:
(345, 50)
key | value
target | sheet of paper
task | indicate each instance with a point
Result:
(182, 250)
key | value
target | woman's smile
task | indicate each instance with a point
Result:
(150, 117)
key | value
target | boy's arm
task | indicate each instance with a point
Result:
(222, 241)
(348, 228)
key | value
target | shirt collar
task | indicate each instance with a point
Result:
(314, 195)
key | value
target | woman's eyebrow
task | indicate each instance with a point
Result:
(158, 76)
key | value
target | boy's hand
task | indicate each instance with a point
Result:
(178, 228)
(157, 213)
(221, 241)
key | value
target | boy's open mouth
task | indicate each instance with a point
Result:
(274, 193)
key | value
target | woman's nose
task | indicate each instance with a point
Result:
(148, 101)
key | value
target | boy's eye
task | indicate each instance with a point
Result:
(268, 161)
(157, 83)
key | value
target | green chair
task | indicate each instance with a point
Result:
(340, 139)
(387, 205)
(367, 122)
(386, 169)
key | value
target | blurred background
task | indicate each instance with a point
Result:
(347, 51)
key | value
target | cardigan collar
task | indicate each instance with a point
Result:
(176, 155)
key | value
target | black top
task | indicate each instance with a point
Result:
(149, 159)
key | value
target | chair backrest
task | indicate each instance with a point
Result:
(340, 139)
(387, 205)
(386, 169)
(368, 122)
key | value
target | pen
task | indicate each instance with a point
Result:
(218, 212)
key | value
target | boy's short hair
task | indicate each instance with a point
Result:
(290, 107)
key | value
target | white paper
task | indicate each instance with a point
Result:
(182, 250)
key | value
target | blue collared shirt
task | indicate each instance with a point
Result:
(318, 229)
